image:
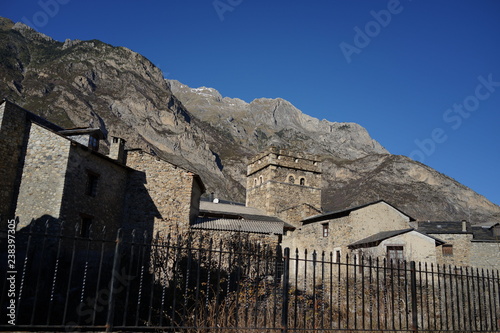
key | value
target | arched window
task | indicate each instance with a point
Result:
(260, 179)
(302, 181)
(255, 182)
(291, 179)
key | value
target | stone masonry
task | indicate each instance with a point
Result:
(161, 196)
(278, 180)
(13, 132)
(48, 176)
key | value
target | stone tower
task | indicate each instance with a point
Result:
(285, 184)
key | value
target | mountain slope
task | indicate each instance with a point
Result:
(77, 83)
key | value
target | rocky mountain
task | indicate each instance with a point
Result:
(81, 83)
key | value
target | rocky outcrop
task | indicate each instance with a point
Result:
(81, 83)
(276, 122)
(418, 190)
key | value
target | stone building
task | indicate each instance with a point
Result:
(335, 231)
(48, 173)
(464, 244)
(285, 184)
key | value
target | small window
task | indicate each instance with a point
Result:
(255, 182)
(338, 256)
(325, 230)
(395, 253)
(93, 143)
(291, 179)
(86, 225)
(302, 181)
(92, 180)
(260, 179)
(447, 249)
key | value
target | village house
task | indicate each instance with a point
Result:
(49, 174)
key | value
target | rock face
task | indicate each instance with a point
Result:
(266, 122)
(81, 83)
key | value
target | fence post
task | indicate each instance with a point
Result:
(114, 272)
(286, 287)
(413, 285)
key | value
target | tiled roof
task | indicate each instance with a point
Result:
(242, 225)
(376, 239)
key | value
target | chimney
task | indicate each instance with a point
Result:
(117, 149)
(464, 225)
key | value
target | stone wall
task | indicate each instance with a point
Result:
(160, 196)
(294, 215)
(105, 205)
(44, 173)
(375, 218)
(14, 128)
(485, 255)
(461, 249)
(348, 229)
(278, 180)
(416, 247)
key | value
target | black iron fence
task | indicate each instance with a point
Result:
(55, 282)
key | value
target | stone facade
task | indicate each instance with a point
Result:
(13, 134)
(49, 176)
(278, 180)
(161, 196)
(415, 246)
(105, 205)
(457, 251)
(485, 254)
(44, 175)
(336, 231)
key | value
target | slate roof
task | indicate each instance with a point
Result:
(443, 227)
(83, 130)
(237, 217)
(376, 239)
(253, 226)
(485, 233)
(346, 212)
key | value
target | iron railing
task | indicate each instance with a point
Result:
(187, 284)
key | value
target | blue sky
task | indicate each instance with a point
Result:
(422, 76)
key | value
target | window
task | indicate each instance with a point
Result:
(395, 253)
(92, 179)
(86, 225)
(302, 181)
(447, 249)
(325, 230)
(260, 179)
(93, 143)
(291, 179)
(255, 182)
(337, 256)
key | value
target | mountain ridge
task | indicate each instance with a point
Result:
(77, 83)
